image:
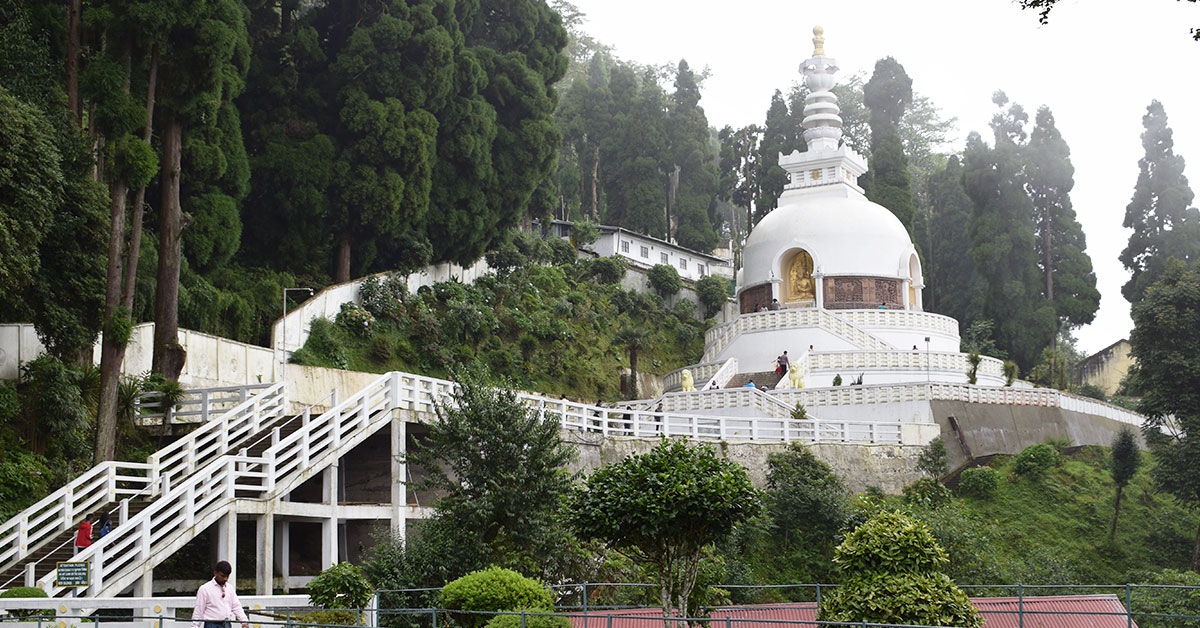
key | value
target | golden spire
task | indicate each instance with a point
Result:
(818, 41)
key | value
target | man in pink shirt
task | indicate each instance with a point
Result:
(216, 601)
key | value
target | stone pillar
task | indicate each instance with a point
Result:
(399, 474)
(819, 284)
(227, 541)
(265, 537)
(329, 525)
(283, 541)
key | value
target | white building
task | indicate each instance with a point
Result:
(832, 277)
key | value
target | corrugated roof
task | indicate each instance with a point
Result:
(1051, 611)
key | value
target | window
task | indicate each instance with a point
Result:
(665, 258)
(624, 246)
(646, 252)
(682, 264)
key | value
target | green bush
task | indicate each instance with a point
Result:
(892, 565)
(331, 618)
(713, 292)
(979, 482)
(608, 270)
(664, 280)
(492, 590)
(531, 621)
(1034, 461)
(355, 319)
(1160, 600)
(927, 493)
(934, 459)
(27, 592)
(340, 586)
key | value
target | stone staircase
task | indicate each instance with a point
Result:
(61, 548)
(764, 379)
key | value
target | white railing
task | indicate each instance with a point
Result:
(717, 338)
(111, 481)
(197, 405)
(954, 362)
(700, 373)
(196, 501)
(902, 319)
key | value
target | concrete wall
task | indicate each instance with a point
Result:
(989, 429)
(889, 467)
(1106, 368)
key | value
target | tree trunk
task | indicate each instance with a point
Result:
(110, 361)
(168, 354)
(633, 378)
(1196, 553)
(341, 263)
(595, 213)
(672, 187)
(1112, 531)
(72, 78)
(119, 294)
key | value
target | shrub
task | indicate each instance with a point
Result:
(1011, 371)
(1092, 391)
(1034, 461)
(323, 347)
(340, 586)
(561, 252)
(531, 621)
(608, 270)
(927, 493)
(27, 592)
(492, 590)
(664, 280)
(713, 292)
(837, 379)
(355, 319)
(934, 459)
(892, 563)
(1159, 602)
(979, 482)
(382, 297)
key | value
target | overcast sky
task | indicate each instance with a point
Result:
(1097, 65)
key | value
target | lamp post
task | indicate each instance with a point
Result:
(283, 332)
(928, 357)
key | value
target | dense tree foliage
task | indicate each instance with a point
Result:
(1069, 282)
(891, 566)
(1164, 222)
(1165, 342)
(501, 470)
(663, 508)
(887, 96)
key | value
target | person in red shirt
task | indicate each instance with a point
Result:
(83, 534)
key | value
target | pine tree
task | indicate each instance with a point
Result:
(692, 176)
(1164, 223)
(780, 135)
(1069, 282)
(887, 95)
(1002, 239)
(953, 286)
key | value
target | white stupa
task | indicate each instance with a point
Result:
(832, 277)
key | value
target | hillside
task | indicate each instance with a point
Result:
(549, 322)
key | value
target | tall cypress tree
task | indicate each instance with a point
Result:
(1068, 279)
(780, 134)
(887, 95)
(692, 178)
(1164, 224)
(1002, 239)
(634, 155)
(953, 286)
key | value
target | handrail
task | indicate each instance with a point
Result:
(197, 500)
(110, 481)
(197, 405)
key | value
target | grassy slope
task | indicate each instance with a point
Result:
(1055, 529)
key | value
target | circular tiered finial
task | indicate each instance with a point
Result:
(818, 41)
